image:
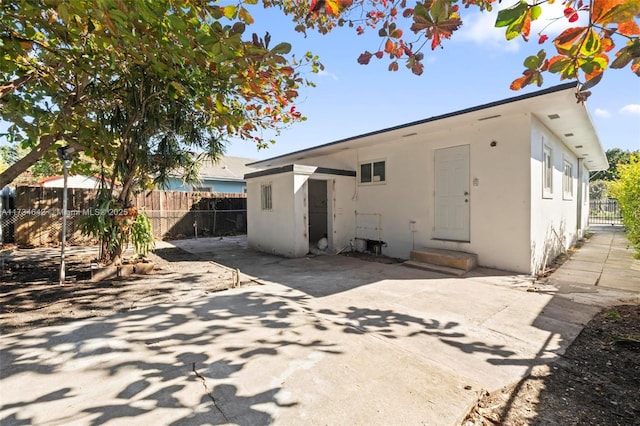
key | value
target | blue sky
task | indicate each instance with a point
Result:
(475, 67)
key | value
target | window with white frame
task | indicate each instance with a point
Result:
(266, 200)
(547, 172)
(567, 180)
(372, 172)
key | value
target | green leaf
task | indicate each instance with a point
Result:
(177, 24)
(238, 28)
(420, 10)
(532, 62)
(282, 48)
(536, 11)
(515, 28)
(507, 17)
(63, 12)
(591, 44)
(230, 11)
(439, 10)
(559, 66)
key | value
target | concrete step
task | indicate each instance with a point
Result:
(450, 258)
(434, 268)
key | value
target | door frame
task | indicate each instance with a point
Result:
(463, 199)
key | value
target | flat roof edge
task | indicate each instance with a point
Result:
(554, 89)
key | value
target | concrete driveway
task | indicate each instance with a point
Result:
(321, 340)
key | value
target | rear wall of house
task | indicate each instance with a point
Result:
(499, 186)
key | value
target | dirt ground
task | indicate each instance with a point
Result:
(596, 382)
(31, 297)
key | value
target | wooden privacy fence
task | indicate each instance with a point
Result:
(36, 217)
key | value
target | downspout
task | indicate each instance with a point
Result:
(580, 192)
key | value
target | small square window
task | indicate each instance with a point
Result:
(373, 172)
(266, 201)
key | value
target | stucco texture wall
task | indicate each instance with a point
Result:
(272, 231)
(500, 181)
(553, 215)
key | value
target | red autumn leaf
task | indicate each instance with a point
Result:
(417, 68)
(287, 71)
(389, 46)
(407, 12)
(607, 44)
(360, 30)
(569, 37)
(604, 12)
(543, 38)
(526, 26)
(379, 54)
(393, 66)
(520, 82)
(435, 42)
(571, 14)
(629, 28)
(364, 58)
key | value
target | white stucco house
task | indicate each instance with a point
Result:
(507, 181)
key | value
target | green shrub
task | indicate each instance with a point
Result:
(627, 191)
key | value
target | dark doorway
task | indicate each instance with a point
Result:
(318, 210)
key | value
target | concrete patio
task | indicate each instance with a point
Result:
(320, 340)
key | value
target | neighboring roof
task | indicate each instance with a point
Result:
(226, 169)
(56, 177)
(574, 127)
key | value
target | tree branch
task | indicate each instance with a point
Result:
(9, 87)
(28, 160)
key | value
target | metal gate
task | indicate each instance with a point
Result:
(604, 212)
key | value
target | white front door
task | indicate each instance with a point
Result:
(452, 198)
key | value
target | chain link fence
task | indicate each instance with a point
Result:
(37, 229)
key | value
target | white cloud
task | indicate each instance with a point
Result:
(480, 28)
(602, 113)
(552, 21)
(325, 73)
(631, 109)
